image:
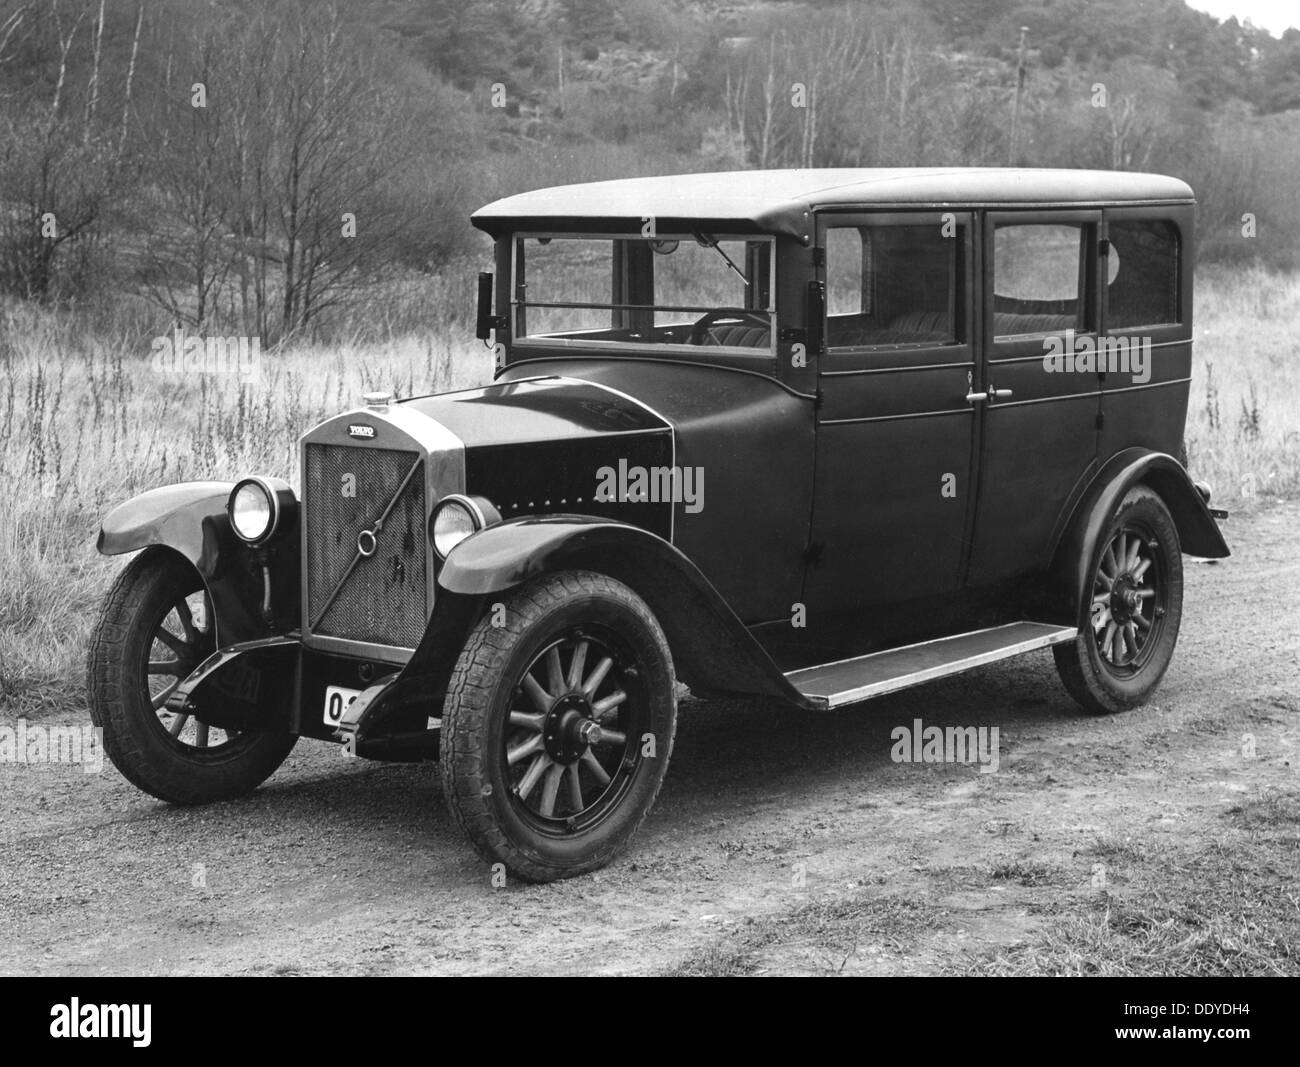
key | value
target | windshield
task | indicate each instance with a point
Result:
(679, 289)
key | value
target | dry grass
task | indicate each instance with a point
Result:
(86, 421)
(1228, 907)
(1243, 422)
(85, 424)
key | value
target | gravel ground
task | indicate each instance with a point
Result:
(777, 846)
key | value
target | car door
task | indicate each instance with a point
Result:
(894, 429)
(1037, 390)
(1146, 369)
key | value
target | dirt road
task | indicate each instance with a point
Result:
(1157, 841)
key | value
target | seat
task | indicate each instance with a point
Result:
(1009, 324)
(912, 327)
(738, 335)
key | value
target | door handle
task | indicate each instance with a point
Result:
(972, 397)
(999, 392)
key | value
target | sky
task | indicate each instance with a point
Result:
(1273, 15)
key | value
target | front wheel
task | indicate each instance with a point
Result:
(558, 725)
(154, 629)
(1129, 617)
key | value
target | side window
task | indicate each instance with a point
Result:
(1037, 278)
(1143, 273)
(845, 294)
(892, 285)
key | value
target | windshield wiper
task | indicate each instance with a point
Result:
(709, 241)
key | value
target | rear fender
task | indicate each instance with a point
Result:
(1198, 532)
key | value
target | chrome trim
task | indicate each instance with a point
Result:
(476, 511)
(476, 516)
(271, 495)
(443, 454)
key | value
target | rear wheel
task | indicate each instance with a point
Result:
(1128, 621)
(154, 629)
(558, 725)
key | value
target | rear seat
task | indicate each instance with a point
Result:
(1009, 324)
(913, 327)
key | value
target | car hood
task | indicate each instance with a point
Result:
(532, 410)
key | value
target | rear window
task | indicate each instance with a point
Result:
(1143, 270)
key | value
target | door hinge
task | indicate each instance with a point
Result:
(813, 553)
(1101, 420)
(819, 257)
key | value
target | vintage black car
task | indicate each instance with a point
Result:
(809, 436)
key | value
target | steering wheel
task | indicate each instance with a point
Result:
(699, 332)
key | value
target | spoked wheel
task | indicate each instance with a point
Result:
(571, 745)
(182, 639)
(558, 726)
(156, 626)
(1129, 625)
(1128, 593)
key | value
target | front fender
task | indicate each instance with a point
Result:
(711, 647)
(1198, 532)
(190, 519)
(172, 515)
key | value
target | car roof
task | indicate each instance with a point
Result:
(781, 201)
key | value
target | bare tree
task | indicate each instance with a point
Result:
(273, 192)
(58, 170)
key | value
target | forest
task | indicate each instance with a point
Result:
(301, 169)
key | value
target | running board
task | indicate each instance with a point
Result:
(849, 680)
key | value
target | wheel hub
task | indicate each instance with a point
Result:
(1124, 598)
(568, 729)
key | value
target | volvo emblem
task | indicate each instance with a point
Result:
(366, 543)
(361, 429)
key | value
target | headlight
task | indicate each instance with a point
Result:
(456, 517)
(254, 510)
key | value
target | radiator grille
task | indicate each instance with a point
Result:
(382, 598)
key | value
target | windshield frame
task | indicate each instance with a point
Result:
(518, 302)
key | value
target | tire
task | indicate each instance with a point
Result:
(1128, 621)
(550, 767)
(156, 625)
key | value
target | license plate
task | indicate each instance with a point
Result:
(337, 699)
